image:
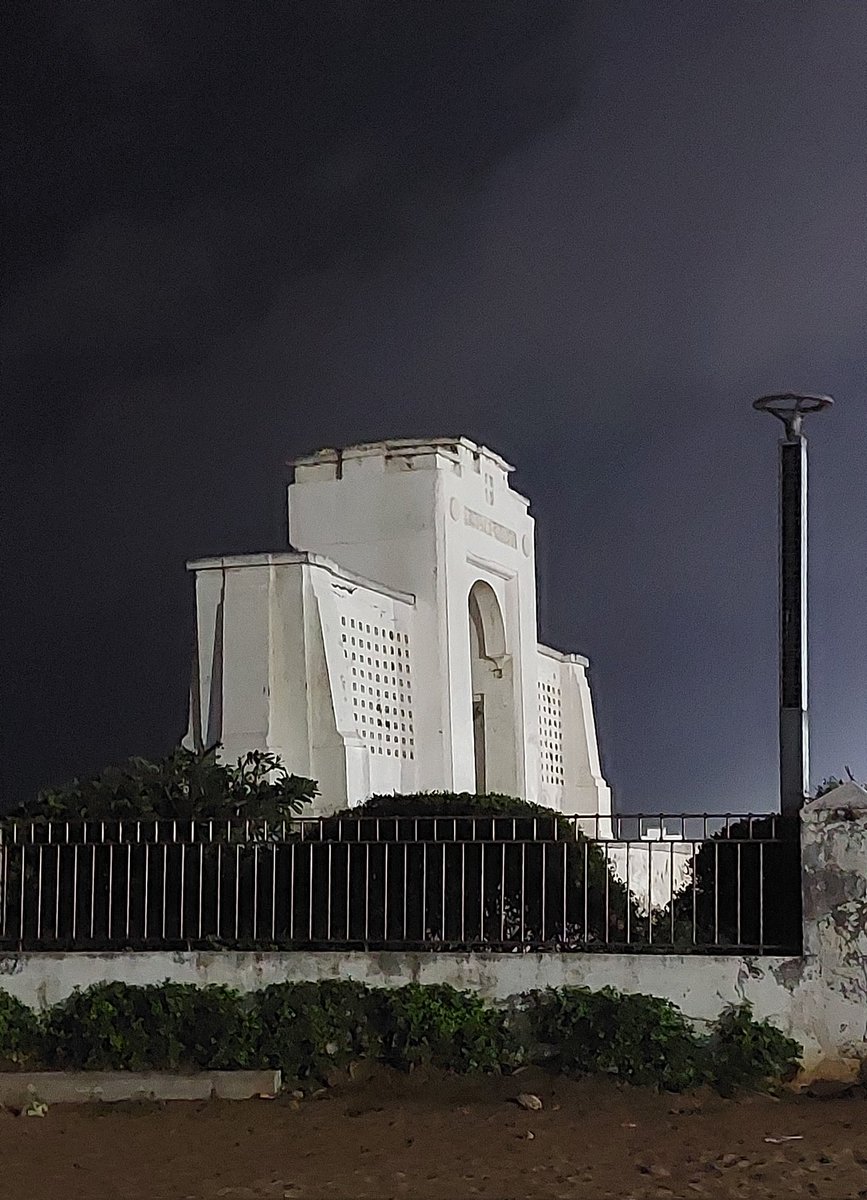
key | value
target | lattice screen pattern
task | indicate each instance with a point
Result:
(551, 733)
(381, 675)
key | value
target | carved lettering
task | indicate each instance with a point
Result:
(493, 528)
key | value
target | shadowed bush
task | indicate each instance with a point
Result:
(306, 1030)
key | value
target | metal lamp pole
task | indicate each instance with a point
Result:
(791, 408)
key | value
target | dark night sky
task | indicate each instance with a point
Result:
(585, 234)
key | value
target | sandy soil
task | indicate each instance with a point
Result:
(390, 1135)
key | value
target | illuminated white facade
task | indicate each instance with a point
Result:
(395, 647)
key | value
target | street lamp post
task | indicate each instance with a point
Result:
(791, 408)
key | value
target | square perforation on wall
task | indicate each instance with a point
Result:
(380, 670)
(551, 732)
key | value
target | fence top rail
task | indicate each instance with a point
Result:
(671, 830)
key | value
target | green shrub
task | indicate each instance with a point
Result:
(110, 1026)
(118, 1026)
(19, 1032)
(215, 1026)
(307, 1029)
(438, 1026)
(746, 1053)
(641, 1039)
(504, 870)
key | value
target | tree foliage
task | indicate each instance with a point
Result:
(515, 871)
(184, 785)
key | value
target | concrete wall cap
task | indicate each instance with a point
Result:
(847, 795)
(393, 446)
(299, 558)
(563, 656)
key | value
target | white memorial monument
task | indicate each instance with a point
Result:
(394, 647)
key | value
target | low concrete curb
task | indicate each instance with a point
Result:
(20, 1088)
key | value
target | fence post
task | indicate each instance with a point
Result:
(833, 995)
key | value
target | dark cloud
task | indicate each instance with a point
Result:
(587, 235)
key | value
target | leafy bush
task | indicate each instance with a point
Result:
(306, 1029)
(121, 1027)
(215, 1026)
(744, 1052)
(110, 1026)
(438, 1026)
(505, 871)
(183, 785)
(642, 1039)
(20, 1032)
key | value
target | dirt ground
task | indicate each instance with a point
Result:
(426, 1136)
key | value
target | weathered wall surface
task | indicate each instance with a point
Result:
(830, 994)
(701, 985)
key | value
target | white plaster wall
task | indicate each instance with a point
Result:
(653, 871)
(276, 673)
(570, 771)
(378, 520)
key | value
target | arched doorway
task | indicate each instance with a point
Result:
(494, 741)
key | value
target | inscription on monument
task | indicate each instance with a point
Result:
(493, 528)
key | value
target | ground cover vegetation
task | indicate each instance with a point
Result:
(311, 1030)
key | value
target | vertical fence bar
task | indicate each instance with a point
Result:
(292, 892)
(385, 846)
(39, 894)
(110, 910)
(761, 897)
(463, 892)
(424, 930)
(92, 887)
(74, 890)
(586, 892)
(165, 880)
(628, 897)
(182, 897)
(328, 901)
(366, 892)
(740, 847)
(523, 890)
(405, 876)
(273, 891)
(255, 891)
(219, 912)
(443, 906)
(348, 888)
(237, 890)
(4, 880)
(147, 866)
(607, 898)
(716, 894)
(199, 912)
(57, 873)
(503, 893)
(481, 890)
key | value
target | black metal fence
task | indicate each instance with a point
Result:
(728, 884)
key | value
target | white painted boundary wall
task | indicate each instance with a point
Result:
(701, 986)
(819, 998)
